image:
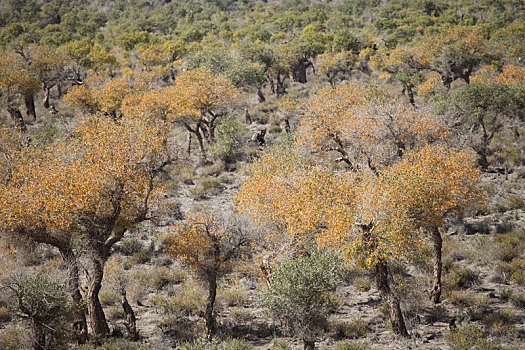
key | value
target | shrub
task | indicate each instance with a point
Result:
(349, 345)
(301, 293)
(510, 245)
(206, 187)
(518, 300)
(349, 330)
(228, 141)
(463, 278)
(109, 296)
(363, 283)
(45, 303)
(234, 296)
(129, 246)
(280, 344)
(5, 314)
(160, 277)
(14, 338)
(240, 316)
(501, 323)
(189, 300)
(141, 257)
(469, 338)
(203, 343)
(515, 202)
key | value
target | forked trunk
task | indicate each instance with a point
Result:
(435, 293)
(97, 319)
(29, 101)
(388, 297)
(80, 332)
(210, 303)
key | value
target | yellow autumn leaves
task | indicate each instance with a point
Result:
(401, 183)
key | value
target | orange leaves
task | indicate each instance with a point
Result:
(369, 217)
(105, 170)
(205, 243)
(106, 100)
(434, 182)
(364, 127)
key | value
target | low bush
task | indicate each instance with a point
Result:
(353, 329)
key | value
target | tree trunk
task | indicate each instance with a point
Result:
(435, 293)
(97, 319)
(299, 71)
(410, 95)
(210, 303)
(131, 321)
(80, 332)
(29, 101)
(396, 316)
(260, 94)
(59, 90)
(281, 90)
(18, 119)
(188, 140)
(47, 94)
(309, 344)
(201, 145)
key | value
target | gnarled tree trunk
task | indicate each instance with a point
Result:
(437, 242)
(80, 332)
(97, 318)
(388, 297)
(260, 94)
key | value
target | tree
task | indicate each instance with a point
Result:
(374, 218)
(208, 245)
(364, 127)
(20, 39)
(106, 100)
(334, 64)
(301, 295)
(96, 186)
(437, 183)
(198, 100)
(484, 110)
(50, 66)
(405, 65)
(345, 210)
(456, 53)
(16, 82)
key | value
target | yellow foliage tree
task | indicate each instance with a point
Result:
(197, 100)
(95, 186)
(374, 218)
(208, 246)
